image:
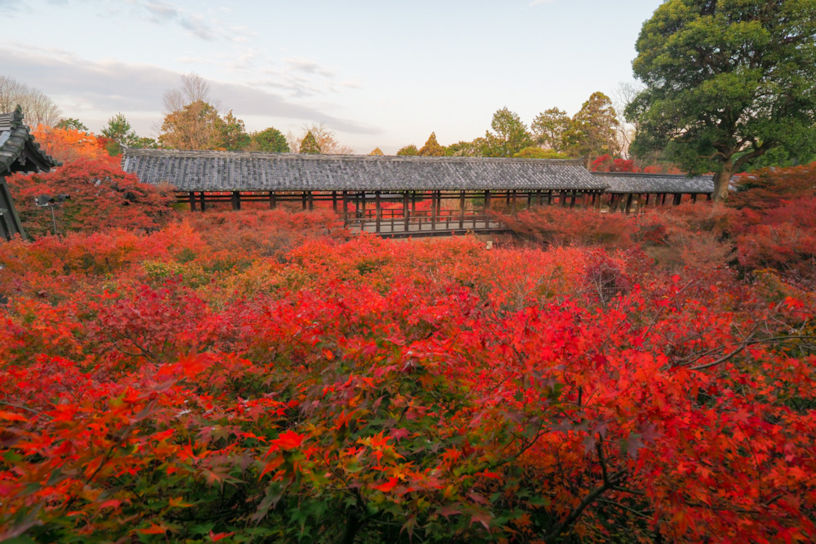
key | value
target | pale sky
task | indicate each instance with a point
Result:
(377, 73)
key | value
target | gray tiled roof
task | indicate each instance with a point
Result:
(18, 150)
(233, 171)
(627, 182)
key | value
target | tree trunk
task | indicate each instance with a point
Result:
(722, 180)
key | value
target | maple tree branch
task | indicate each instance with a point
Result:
(622, 507)
(20, 407)
(627, 490)
(744, 345)
(609, 482)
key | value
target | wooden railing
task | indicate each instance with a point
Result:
(394, 222)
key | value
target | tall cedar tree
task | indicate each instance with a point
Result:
(726, 82)
(592, 131)
(309, 144)
(432, 148)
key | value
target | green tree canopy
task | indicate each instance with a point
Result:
(120, 133)
(509, 135)
(309, 144)
(408, 151)
(432, 147)
(229, 133)
(726, 82)
(269, 140)
(533, 152)
(549, 127)
(72, 124)
(466, 149)
(592, 131)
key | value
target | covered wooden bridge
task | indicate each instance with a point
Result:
(627, 191)
(387, 195)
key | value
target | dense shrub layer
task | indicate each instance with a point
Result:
(261, 376)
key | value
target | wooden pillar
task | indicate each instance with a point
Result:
(529, 199)
(694, 197)
(646, 203)
(572, 198)
(334, 201)
(272, 200)
(345, 208)
(507, 198)
(311, 200)
(413, 202)
(461, 209)
(708, 196)
(303, 199)
(191, 196)
(378, 210)
(433, 210)
(405, 210)
(201, 201)
(487, 199)
(236, 200)
(678, 197)
(628, 208)
(549, 197)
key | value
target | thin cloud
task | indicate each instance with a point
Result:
(308, 66)
(118, 86)
(9, 6)
(163, 13)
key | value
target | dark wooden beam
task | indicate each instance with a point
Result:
(461, 209)
(378, 204)
(405, 210)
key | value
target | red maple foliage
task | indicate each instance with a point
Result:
(100, 196)
(263, 376)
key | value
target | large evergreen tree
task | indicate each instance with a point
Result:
(509, 135)
(270, 140)
(549, 127)
(726, 82)
(593, 129)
